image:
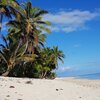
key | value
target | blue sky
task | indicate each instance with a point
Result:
(76, 31)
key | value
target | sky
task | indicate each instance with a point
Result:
(76, 31)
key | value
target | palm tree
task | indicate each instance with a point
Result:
(29, 24)
(47, 61)
(57, 55)
(13, 53)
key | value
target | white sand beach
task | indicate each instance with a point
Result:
(42, 89)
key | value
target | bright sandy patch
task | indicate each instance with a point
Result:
(58, 89)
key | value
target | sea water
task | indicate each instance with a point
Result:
(90, 76)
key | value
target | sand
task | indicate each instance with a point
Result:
(43, 89)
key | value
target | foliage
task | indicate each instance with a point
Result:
(23, 53)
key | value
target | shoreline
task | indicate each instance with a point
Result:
(79, 77)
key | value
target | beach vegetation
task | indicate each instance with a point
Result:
(23, 52)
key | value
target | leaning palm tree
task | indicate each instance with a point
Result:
(51, 56)
(29, 24)
(57, 55)
(13, 53)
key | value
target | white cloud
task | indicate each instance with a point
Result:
(69, 21)
(64, 69)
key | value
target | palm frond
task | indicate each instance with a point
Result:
(5, 41)
(40, 12)
(14, 23)
(45, 29)
(27, 57)
(1, 45)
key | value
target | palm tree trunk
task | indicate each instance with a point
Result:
(6, 73)
(17, 47)
(36, 40)
(44, 76)
(41, 76)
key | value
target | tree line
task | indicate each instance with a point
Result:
(23, 53)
